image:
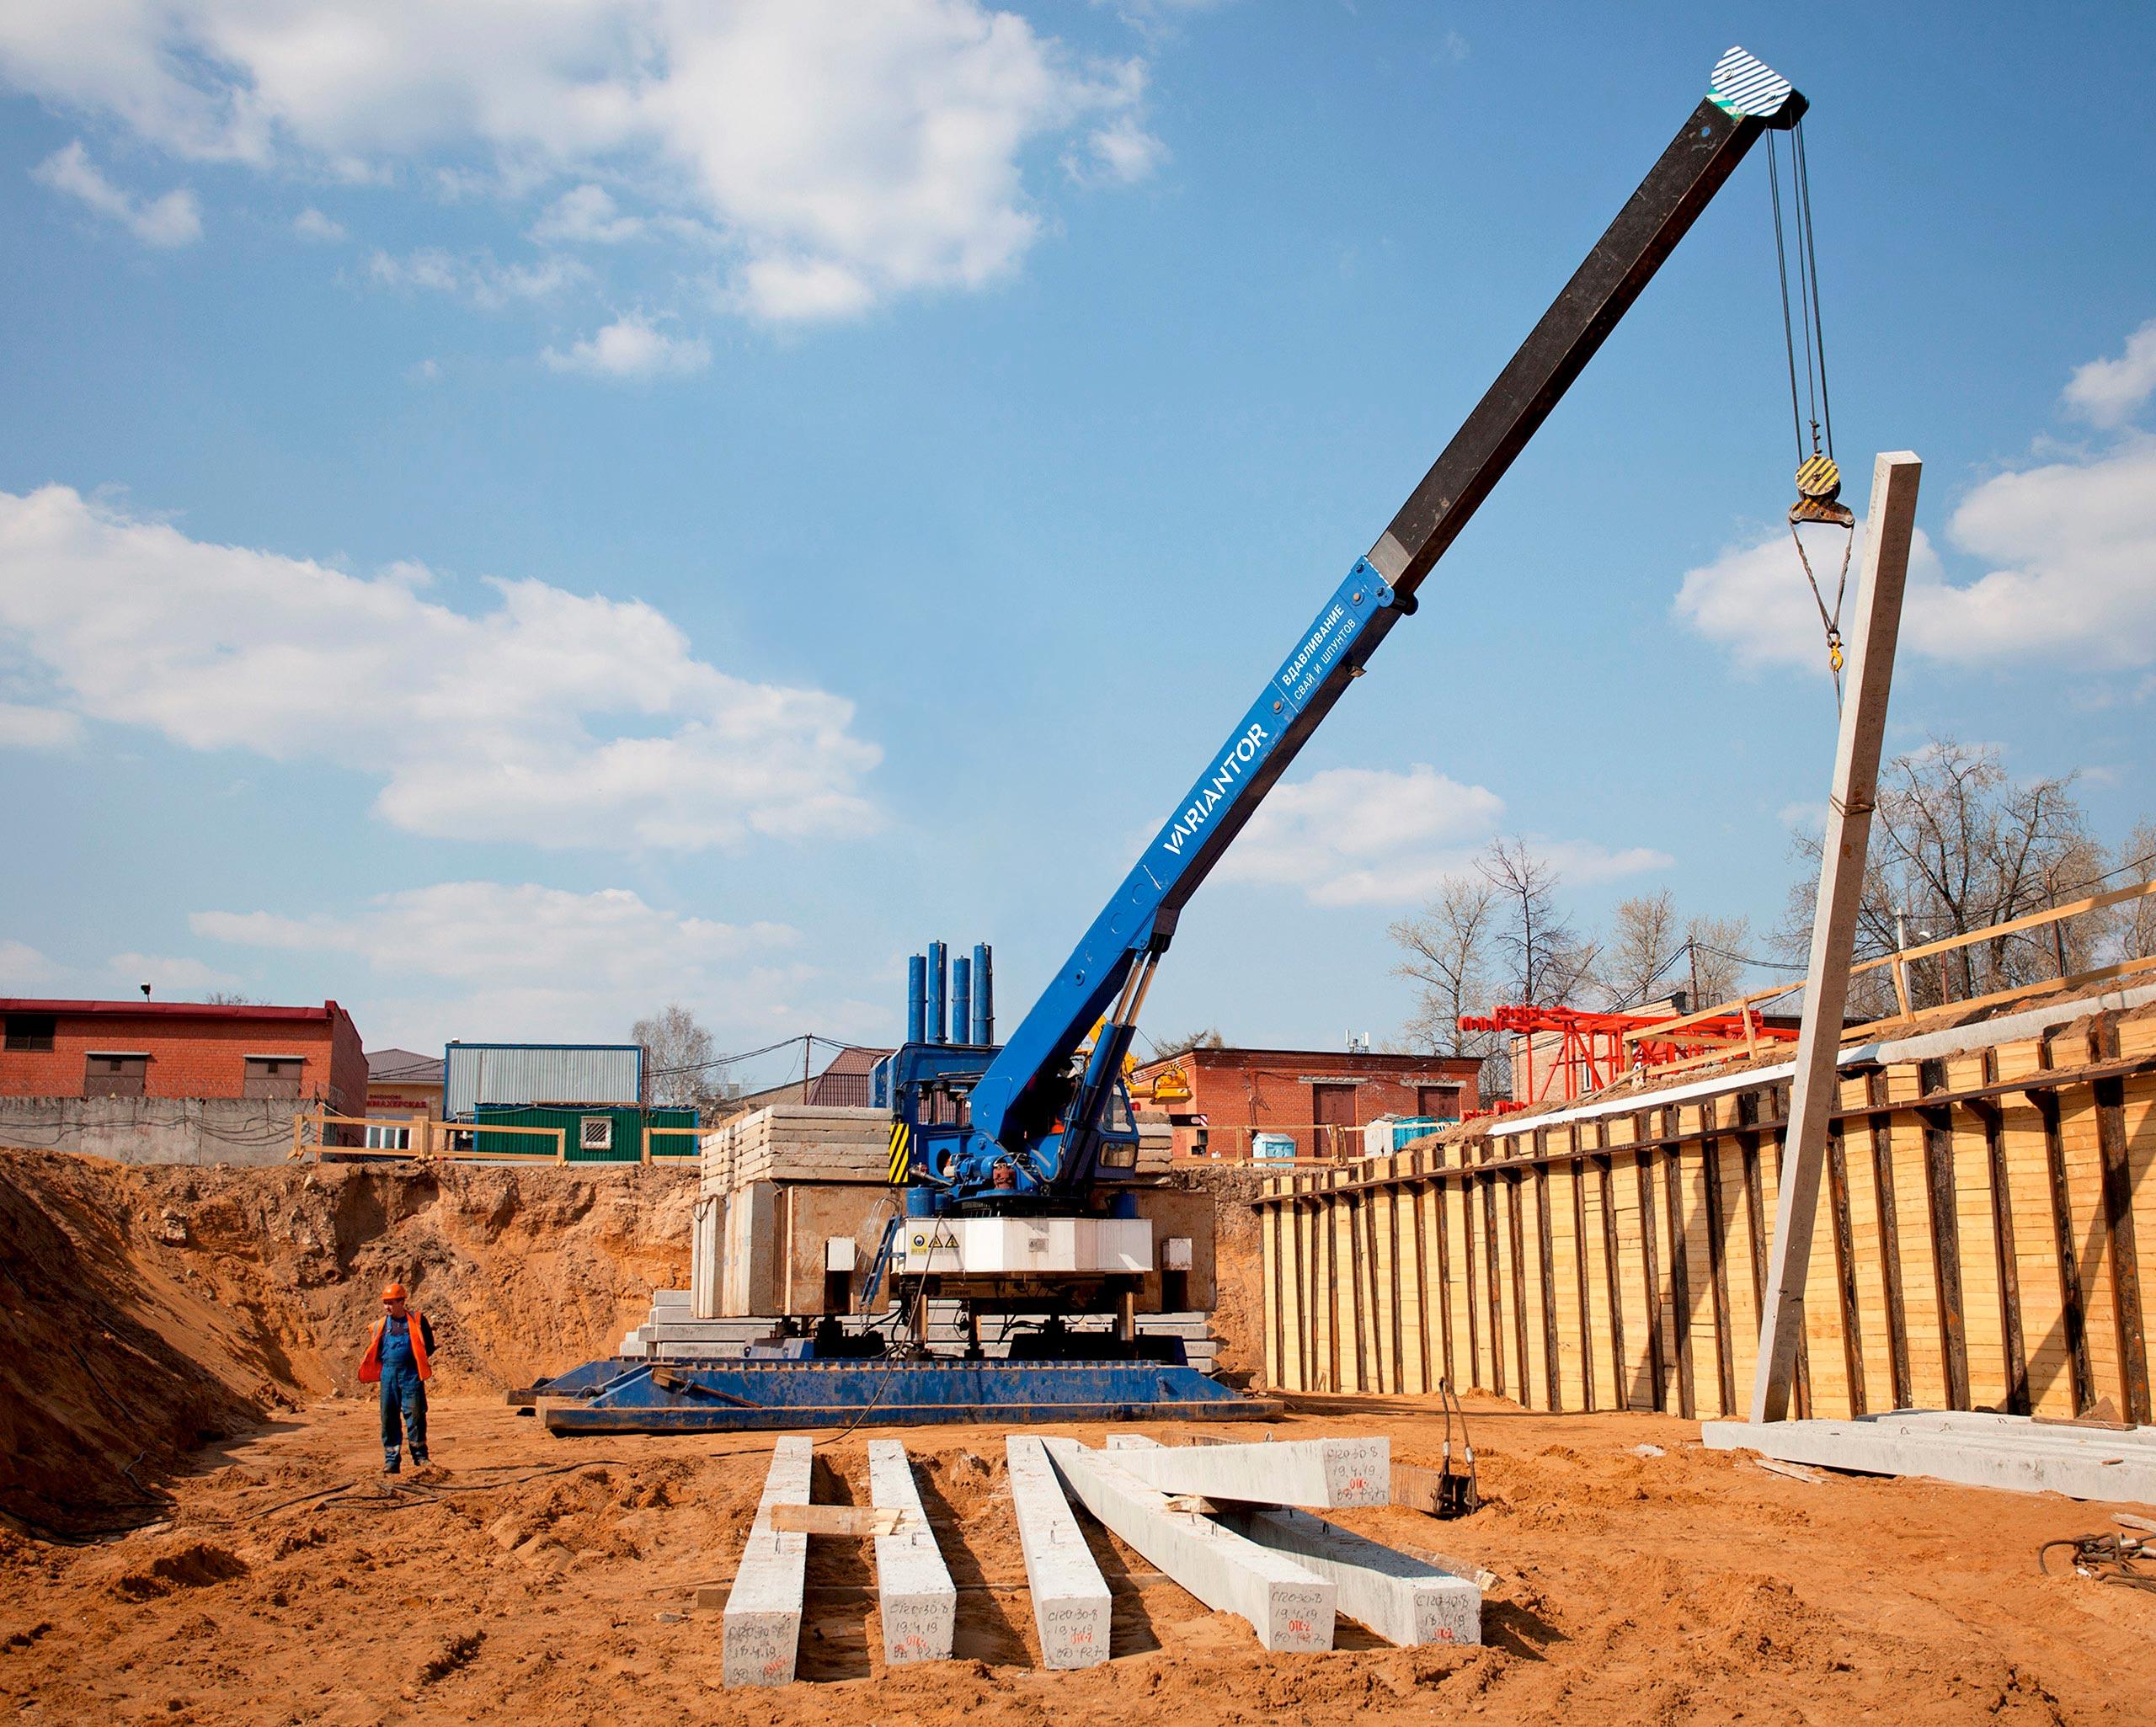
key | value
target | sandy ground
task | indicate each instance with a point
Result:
(1688, 1587)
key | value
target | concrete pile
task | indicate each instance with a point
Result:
(1233, 1524)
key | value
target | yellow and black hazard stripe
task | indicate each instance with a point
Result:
(1819, 478)
(901, 1151)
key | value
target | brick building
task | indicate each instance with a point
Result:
(172, 1081)
(401, 1084)
(1321, 1097)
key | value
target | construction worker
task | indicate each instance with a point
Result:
(399, 1357)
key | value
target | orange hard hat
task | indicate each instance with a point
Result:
(394, 1291)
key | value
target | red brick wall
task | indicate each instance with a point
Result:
(1239, 1091)
(196, 1054)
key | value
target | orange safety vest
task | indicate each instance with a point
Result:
(370, 1362)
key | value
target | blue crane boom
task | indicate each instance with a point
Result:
(1022, 1109)
(1024, 1113)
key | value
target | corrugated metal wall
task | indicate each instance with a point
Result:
(474, 1074)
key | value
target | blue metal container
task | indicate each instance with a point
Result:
(937, 980)
(962, 999)
(917, 999)
(983, 1031)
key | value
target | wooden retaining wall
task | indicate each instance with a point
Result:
(1987, 1239)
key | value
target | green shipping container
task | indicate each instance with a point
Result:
(604, 1134)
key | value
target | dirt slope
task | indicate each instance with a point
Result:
(150, 1310)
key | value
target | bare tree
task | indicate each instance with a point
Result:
(678, 1060)
(1714, 948)
(1546, 964)
(1957, 847)
(1182, 1042)
(1448, 950)
(233, 998)
(2133, 934)
(1642, 949)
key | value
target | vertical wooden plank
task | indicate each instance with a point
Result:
(1582, 1279)
(1554, 1397)
(1613, 1283)
(1471, 1279)
(1716, 1220)
(1945, 1234)
(1268, 1248)
(1514, 1198)
(1845, 1288)
(1329, 1297)
(2118, 1217)
(1890, 1241)
(1680, 1272)
(2006, 1266)
(1447, 1284)
(2073, 1314)
(1780, 1095)
(1418, 1205)
(1492, 1252)
(1651, 1267)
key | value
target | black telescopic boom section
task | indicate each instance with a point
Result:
(1655, 217)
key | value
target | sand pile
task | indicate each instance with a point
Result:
(152, 1310)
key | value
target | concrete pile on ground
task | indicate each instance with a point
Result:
(1225, 1520)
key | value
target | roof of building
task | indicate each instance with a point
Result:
(176, 1009)
(1317, 1058)
(403, 1067)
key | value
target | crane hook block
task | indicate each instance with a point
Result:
(1818, 494)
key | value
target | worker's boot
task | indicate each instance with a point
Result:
(390, 1460)
(419, 1459)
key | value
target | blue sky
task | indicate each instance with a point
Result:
(509, 523)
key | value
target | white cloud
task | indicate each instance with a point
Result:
(2067, 548)
(172, 220)
(630, 347)
(311, 224)
(22, 967)
(587, 216)
(2109, 391)
(170, 978)
(888, 142)
(486, 283)
(557, 718)
(1369, 836)
(486, 959)
(423, 371)
(37, 728)
(2072, 550)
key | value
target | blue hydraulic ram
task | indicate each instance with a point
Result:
(1030, 1147)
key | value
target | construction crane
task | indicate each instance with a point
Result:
(1016, 1163)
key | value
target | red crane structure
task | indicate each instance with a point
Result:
(1591, 1051)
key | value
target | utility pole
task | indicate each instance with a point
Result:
(1891, 524)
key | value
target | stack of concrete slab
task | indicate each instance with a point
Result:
(798, 1142)
(672, 1332)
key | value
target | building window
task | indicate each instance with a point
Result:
(382, 1136)
(275, 1076)
(1441, 1101)
(30, 1031)
(595, 1133)
(113, 1075)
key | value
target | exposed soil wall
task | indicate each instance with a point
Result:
(150, 1310)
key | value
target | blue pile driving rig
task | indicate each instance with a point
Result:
(1016, 1163)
